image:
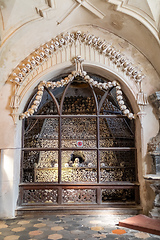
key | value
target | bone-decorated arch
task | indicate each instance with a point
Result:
(44, 57)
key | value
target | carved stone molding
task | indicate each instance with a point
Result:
(47, 9)
(51, 53)
(87, 5)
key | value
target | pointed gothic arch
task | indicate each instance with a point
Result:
(62, 49)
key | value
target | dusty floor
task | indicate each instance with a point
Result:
(72, 227)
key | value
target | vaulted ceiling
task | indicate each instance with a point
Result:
(14, 14)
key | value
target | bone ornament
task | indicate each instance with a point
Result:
(66, 80)
(43, 53)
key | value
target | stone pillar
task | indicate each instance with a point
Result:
(154, 151)
(9, 181)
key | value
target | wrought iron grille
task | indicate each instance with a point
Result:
(80, 136)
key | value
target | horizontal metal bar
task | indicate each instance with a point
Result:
(93, 116)
(79, 184)
(76, 116)
(112, 116)
(104, 149)
(81, 149)
(43, 116)
(40, 149)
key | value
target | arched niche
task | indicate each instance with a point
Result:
(94, 68)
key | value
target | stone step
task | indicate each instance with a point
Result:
(83, 210)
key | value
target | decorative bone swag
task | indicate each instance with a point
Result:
(78, 72)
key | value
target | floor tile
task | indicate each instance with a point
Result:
(3, 225)
(39, 225)
(97, 228)
(23, 222)
(142, 235)
(55, 236)
(118, 231)
(18, 229)
(11, 237)
(58, 228)
(35, 233)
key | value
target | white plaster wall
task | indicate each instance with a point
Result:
(30, 30)
(17, 49)
(9, 157)
(9, 169)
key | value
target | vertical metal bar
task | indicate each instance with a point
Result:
(59, 195)
(98, 153)
(23, 131)
(59, 151)
(22, 153)
(99, 196)
(97, 131)
(136, 166)
(60, 137)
